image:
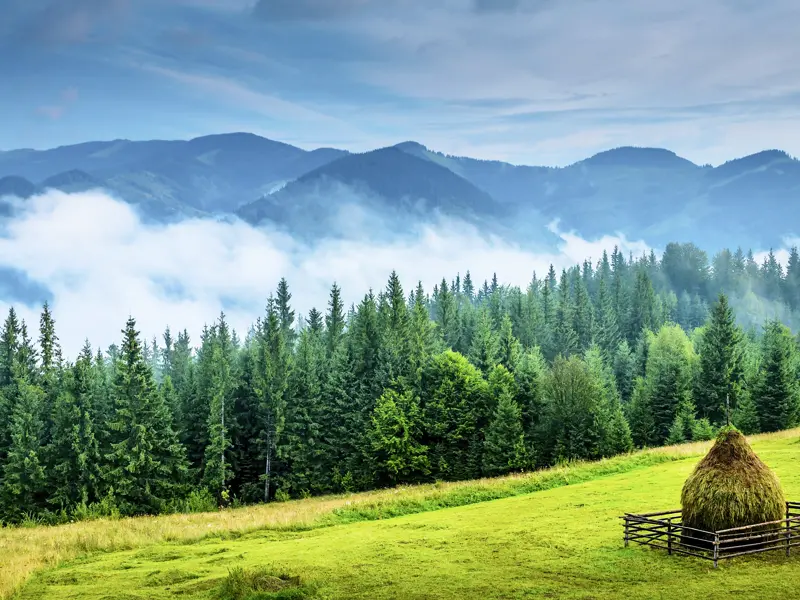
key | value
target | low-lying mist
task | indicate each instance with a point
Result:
(98, 262)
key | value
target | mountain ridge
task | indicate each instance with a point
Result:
(643, 192)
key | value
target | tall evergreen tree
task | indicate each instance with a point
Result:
(720, 374)
(776, 393)
(73, 453)
(146, 466)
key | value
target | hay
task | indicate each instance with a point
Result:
(731, 487)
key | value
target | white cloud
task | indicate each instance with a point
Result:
(102, 264)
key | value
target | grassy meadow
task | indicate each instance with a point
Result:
(553, 533)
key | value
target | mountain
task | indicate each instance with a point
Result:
(644, 193)
(205, 175)
(388, 180)
(14, 185)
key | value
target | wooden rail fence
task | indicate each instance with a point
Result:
(665, 530)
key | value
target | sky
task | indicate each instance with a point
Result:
(527, 81)
(96, 262)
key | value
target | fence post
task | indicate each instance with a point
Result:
(626, 531)
(716, 549)
(788, 531)
(669, 535)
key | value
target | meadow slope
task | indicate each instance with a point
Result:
(562, 541)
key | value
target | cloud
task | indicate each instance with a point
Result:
(100, 263)
(64, 21)
(499, 79)
(306, 10)
(496, 5)
(56, 111)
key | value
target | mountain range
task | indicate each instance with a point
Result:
(644, 193)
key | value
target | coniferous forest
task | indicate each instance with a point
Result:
(464, 380)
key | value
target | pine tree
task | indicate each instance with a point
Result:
(607, 331)
(485, 349)
(217, 470)
(776, 392)
(566, 341)
(315, 321)
(745, 416)
(74, 455)
(271, 385)
(624, 365)
(509, 348)
(530, 378)
(640, 416)
(334, 320)
(668, 378)
(720, 373)
(643, 313)
(582, 315)
(24, 483)
(302, 448)
(146, 466)
(447, 317)
(504, 447)
(285, 313)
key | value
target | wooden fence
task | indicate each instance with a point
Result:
(665, 530)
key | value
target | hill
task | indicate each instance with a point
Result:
(644, 193)
(209, 174)
(560, 538)
(388, 181)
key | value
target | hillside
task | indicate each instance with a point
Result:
(564, 541)
(387, 181)
(645, 193)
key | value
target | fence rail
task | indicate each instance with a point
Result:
(665, 530)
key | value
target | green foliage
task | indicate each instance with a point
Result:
(468, 380)
(668, 377)
(261, 584)
(776, 392)
(398, 455)
(504, 448)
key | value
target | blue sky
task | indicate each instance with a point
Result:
(527, 81)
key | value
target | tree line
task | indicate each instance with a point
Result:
(462, 382)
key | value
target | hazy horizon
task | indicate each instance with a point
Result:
(489, 80)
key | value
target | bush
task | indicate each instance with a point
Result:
(262, 584)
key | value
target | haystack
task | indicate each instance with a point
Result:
(731, 487)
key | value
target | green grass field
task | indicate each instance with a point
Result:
(564, 541)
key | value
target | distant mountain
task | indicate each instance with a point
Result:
(13, 185)
(387, 180)
(73, 180)
(645, 193)
(209, 174)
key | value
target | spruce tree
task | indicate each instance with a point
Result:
(776, 393)
(485, 349)
(670, 364)
(504, 448)
(720, 372)
(530, 377)
(509, 347)
(146, 466)
(217, 470)
(24, 482)
(74, 455)
(334, 320)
